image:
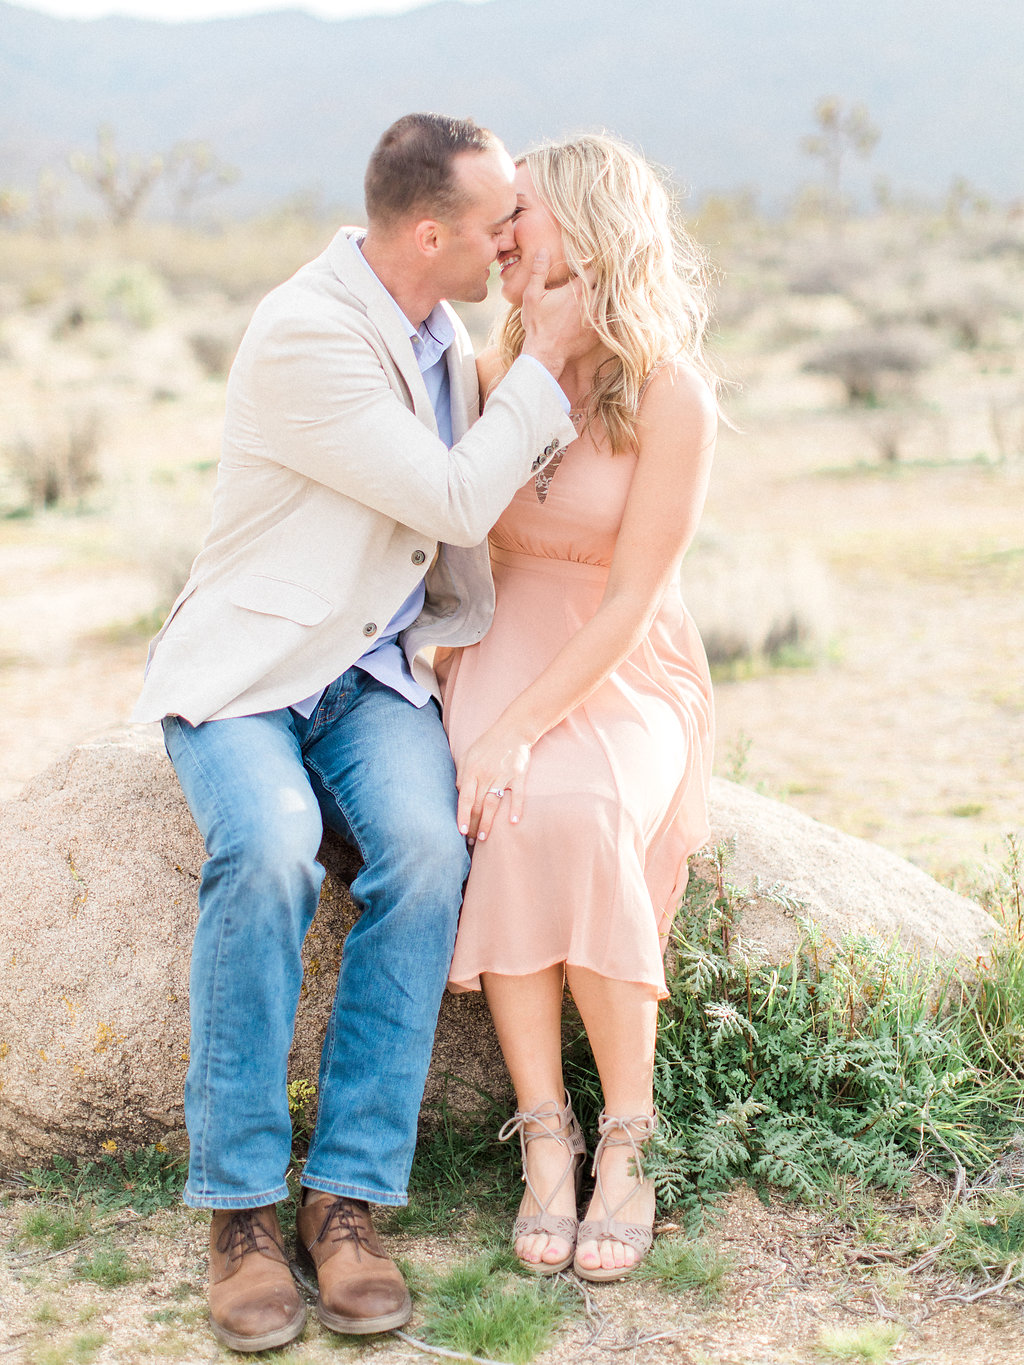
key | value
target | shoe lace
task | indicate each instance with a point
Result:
(615, 1131)
(244, 1233)
(549, 1121)
(347, 1221)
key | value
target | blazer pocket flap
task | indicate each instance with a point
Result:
(278, 597)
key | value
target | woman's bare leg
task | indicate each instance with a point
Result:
(621, 1019)
(527, 1014)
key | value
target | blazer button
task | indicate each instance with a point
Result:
(418, 556)
(370, 628)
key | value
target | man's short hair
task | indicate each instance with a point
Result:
(412, 168)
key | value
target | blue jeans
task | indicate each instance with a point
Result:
(378, 770)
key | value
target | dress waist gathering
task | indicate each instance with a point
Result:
(573, 568)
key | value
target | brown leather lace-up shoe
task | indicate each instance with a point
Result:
(254, 1303)
(361, 1288)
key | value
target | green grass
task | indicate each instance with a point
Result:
(686, 1267)
(480, 1308)
(461, 1176)
(79, 1350)
(55, 1227)
(108, 1267)
(872, 1343)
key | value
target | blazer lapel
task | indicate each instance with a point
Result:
(381, 310)
(465, 402)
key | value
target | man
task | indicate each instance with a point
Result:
(353, 501)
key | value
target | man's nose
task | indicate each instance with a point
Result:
(507, 240)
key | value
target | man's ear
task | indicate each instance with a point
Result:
(429, 236)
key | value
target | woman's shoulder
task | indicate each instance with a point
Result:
(489, 369)
(675, 391)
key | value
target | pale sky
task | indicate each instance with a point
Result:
(216, 9)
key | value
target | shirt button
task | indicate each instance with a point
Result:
(370, 628)
(418, 556)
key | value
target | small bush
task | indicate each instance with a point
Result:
(146, 1180)
(756, 603)
(131, 292)
(851, 1060)
(56, 463)
(214, 350)
(867, 362)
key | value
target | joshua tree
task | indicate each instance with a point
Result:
(840, 132)
(122, 182)
(195, 171)
(13, 204)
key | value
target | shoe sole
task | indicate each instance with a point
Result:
(604, 1275)
(361, 1327)
(544, 1267)
(281, 1337)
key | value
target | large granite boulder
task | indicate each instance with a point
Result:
(99, 872)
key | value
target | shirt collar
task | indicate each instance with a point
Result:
(434, 335)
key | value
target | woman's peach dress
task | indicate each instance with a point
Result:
(616, 794)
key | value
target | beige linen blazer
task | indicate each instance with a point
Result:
(333, 492)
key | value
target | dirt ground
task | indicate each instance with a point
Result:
(793, 1276)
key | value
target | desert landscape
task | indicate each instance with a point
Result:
(859, 570)
(858, 580)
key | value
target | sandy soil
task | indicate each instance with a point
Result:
(793, 1276)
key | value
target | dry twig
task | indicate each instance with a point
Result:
(440, 1350)
(26, 1261)
(643, 1341)
(1004, 1282)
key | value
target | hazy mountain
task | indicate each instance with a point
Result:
(721, 92)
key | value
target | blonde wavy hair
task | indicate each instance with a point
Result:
(650, 303)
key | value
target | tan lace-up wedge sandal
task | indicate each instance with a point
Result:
(613, 1131)
(556, 1125)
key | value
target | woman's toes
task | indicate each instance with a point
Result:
(539, 1249)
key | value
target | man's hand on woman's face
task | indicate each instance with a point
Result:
(554, 315)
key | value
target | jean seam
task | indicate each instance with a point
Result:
(392, 1198)
(327, 1057)
(230, 1201)
(232, 877)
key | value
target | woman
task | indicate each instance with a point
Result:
(581, 724)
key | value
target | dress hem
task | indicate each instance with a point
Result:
(465, 985)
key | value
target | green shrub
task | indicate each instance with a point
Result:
(146, 1180)
(850, 1060)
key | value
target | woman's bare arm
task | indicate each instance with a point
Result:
(676, 443)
